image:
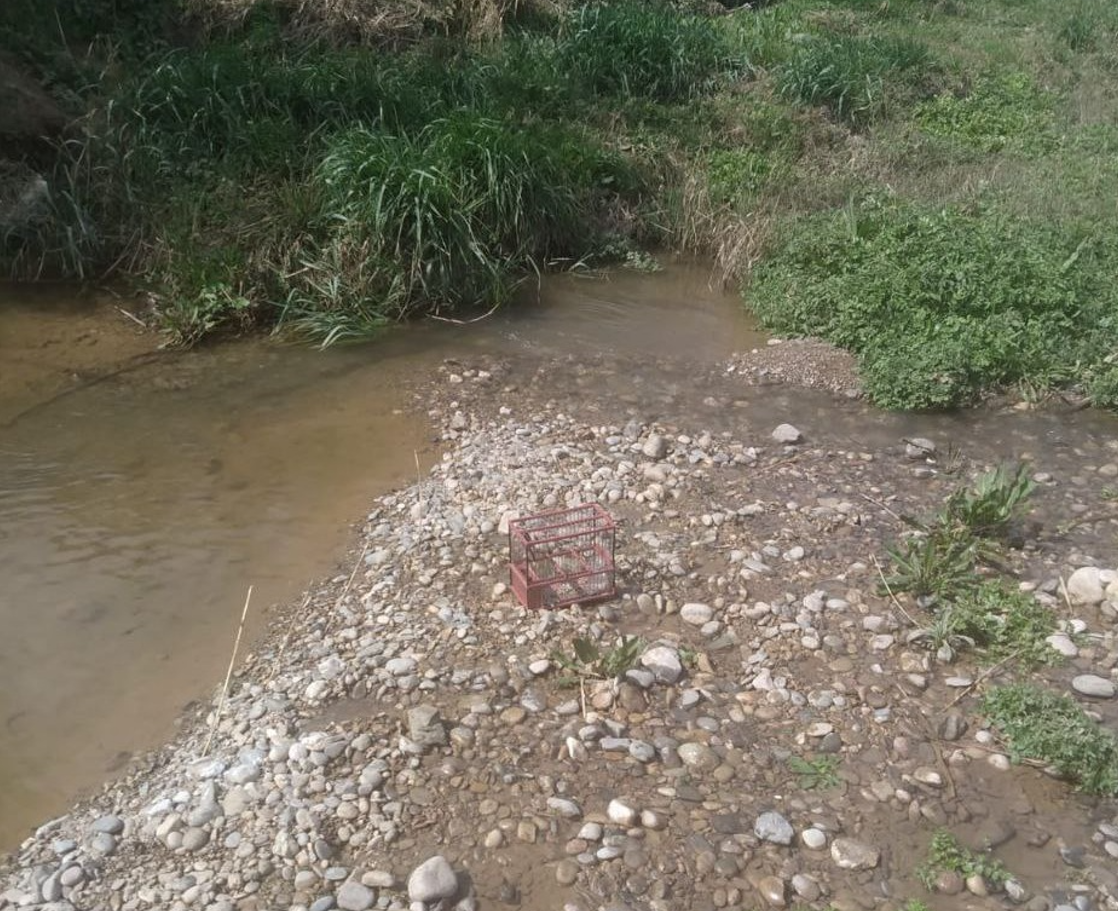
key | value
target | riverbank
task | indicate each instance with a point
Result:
(918, 184)
(408, 708)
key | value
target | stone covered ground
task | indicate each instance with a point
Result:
(406, 737)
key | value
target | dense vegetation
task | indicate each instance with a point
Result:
(929, 184)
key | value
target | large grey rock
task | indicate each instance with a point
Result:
(774, 828)
(353, 896)
(1085, 586)
(849, 854)
(664, 664)
(425, 727)
(432, 880)
(1093, 685)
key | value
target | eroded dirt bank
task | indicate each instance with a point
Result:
(408, 708)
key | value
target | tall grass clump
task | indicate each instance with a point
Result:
(942, 305)
(857, 78)
(454, 213)
(1089, 25)
(649, 50)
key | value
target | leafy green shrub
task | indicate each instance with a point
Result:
(643, 49)
(1004, 623)
(940, 305)
(1000, 111)
(856, 77)
(1039, 724)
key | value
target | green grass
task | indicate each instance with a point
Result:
(1002, 110)
(942, 305)
(1038, 724)
(857, 78)
(650, 50)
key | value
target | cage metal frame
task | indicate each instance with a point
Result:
(563, 556)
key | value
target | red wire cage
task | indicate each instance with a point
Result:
(561, 557)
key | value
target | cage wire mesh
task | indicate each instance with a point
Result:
(561, 557)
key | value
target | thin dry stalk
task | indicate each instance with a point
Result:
(228, 676)
(892, 596)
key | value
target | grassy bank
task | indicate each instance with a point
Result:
(930, 185)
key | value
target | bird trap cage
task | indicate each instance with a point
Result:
(562, 557)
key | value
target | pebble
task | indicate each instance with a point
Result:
(849, 854)
(773, 827)
(698, 756)
(813, 838)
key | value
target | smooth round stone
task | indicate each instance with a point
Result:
(813, 838)
(696, 614)
(1093, 685)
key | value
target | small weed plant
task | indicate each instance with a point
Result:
(1040, 725)
(996, 499)
(947, 855)
(939, 565)
(1003, 623)
(588, 660)
(818, 773)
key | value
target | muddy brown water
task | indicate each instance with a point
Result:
(140, 495)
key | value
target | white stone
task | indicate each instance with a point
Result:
(353, 896)
(813, 838)
(1084, 586)
(695, 613)
(622, 814)
(663, 663)
(432, 880)
(786, 433)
